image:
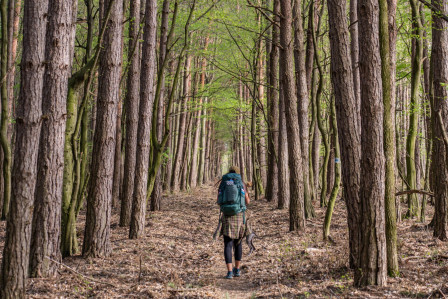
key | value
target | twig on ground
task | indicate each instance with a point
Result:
(79, 273)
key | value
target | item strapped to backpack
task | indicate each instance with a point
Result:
(231, 195)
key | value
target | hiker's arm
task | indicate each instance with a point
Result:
(246, 196)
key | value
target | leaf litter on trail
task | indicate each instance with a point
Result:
(178, 258)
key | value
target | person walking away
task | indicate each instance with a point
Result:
(233, 197)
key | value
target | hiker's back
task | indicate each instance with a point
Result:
(231, 194)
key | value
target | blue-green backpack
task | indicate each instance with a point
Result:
(231, 196)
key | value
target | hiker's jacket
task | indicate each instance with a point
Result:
(233, 226)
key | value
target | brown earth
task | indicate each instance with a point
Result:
(178, 259)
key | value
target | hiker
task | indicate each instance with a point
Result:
(233, 197)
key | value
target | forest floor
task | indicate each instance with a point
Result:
(179, 259)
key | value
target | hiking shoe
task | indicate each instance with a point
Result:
(236, 272)
(229, 275)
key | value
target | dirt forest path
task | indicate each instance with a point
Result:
(178, 259)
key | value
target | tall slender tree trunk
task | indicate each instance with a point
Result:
(179, 155)
(411, 176)
(272, 186)
(131, 110)
(389, 140)
(440, 66)
(303, 102)
(5, 106)
(45, 239)
(99, 199)
(373, 256)
(156, 195)
(28, 123)
(148, 65)
(348, 121)
(296, 206)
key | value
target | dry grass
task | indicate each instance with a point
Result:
(178, 259)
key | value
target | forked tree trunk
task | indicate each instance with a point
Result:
(46, 239)
(29, 112)
(99, 198)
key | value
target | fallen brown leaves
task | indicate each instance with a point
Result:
(178, 259)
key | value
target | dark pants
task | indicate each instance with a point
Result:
(229, 244)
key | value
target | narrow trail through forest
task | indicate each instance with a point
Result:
(178, 259)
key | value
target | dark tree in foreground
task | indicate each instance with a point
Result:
(99, 198)
(28, 123)
(373, 257)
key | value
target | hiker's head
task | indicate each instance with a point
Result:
(234, 169)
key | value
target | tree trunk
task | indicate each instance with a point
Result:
(45, 239)
(296, 207)
(148, 65)
(99, 199)
(5, 113)
(28, 124)
(373, 256)
(272, 186)
(131, 109)
(389, 140)
(337, 178)
(176, 174)
(348, 122)
(156, 195)
(440, 58)
(303, 102)
(413, 205)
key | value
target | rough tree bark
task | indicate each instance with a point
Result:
(389, 140)
(303, 101)
(347, 119)
(296, 206)
(131, 107)
(272, 187)
(28, 124)
(99, 198)
(45, 239)
(440, 67)
(373, 257)
(144, 122)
